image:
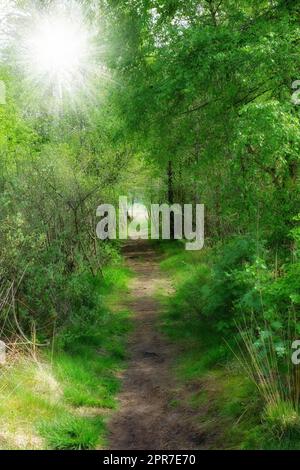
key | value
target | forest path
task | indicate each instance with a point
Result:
(146, 418)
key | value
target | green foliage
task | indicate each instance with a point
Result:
(197, 109)
(63, 394)
(255, 314)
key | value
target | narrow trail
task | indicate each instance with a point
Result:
(146, 418)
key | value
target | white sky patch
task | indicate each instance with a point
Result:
(181, 22)
(8, 12)
(154, 15)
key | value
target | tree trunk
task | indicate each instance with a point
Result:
(171, 197)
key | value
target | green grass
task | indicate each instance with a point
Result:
(62, 400)
(73, 433)
(88, 379)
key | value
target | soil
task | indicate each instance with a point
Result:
(148, 417)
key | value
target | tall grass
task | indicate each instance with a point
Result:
(275, 376)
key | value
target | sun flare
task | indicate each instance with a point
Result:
(57, 51)
(58, 47)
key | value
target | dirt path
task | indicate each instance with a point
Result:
(146, 419)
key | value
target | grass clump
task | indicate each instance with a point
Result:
(72, 433)
(282, 419)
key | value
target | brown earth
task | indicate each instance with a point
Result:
(147, 418)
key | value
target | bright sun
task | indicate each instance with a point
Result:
(57, 52)
(58, 47)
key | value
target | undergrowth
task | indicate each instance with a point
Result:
(240, 383)
(60, 399)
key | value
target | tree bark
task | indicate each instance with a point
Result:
(171, 197)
